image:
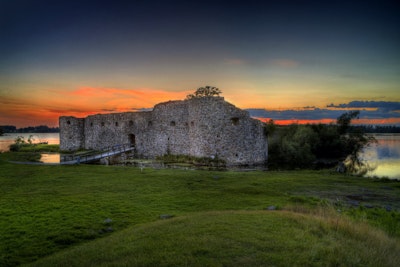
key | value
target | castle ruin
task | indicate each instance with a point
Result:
(200, 127)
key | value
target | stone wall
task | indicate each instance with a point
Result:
(220, 129)
(105, 130)
(72, 135)
(170, 129)
(202, 127)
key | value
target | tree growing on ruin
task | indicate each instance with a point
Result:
(205, 91)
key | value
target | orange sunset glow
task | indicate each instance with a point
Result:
(81, 102)
(84, 101)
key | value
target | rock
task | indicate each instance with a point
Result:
(271, 208)
(341, 168)
(166, 216)
(388, 208)
(107, 221)
(355, 197)
(106, 230)
(369, 206)
(353, 203)
(387, 188)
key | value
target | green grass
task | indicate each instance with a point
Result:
(40, 148)
(30, 152)
(24, 156)
(192, 160)
(237, 238)
(219, 217)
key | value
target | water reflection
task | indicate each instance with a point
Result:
(384, 156)
(50, 158)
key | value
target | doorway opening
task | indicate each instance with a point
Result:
(132, 139)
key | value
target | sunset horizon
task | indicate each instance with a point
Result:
(287, 116)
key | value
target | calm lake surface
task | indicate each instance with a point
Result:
(384, 156)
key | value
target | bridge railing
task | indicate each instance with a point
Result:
(91, 156)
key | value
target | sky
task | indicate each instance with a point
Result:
(283, 60)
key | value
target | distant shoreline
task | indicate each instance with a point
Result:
(30, 129)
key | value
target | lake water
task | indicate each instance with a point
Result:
(384, 156)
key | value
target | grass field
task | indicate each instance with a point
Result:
(88, 215)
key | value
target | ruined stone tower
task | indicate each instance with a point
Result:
(201, 127)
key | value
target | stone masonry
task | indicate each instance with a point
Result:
(201, 127)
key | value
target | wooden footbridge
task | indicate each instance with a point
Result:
(95, 156)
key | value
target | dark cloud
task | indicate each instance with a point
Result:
(383, 110)
(369, 104)
(309, 114)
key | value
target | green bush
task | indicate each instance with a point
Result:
(21, 145)
(293, 147)
(303, 146)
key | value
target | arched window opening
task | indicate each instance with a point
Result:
(102, 123)
(130, 123)
(172, 123)
(116, 123)
(68, 122)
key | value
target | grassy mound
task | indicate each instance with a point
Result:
(238, 238)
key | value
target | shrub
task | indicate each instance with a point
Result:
(299, 146)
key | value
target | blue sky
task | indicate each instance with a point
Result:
(82, 57)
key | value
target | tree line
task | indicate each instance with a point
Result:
(377, 128)
(30, 129)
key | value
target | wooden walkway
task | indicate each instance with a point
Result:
(112, 151)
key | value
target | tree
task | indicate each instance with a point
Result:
(269, 127)
(300, 146)
(205, 91)
(292, 147)
(356, 142)
(345, 119)
(18, 143)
